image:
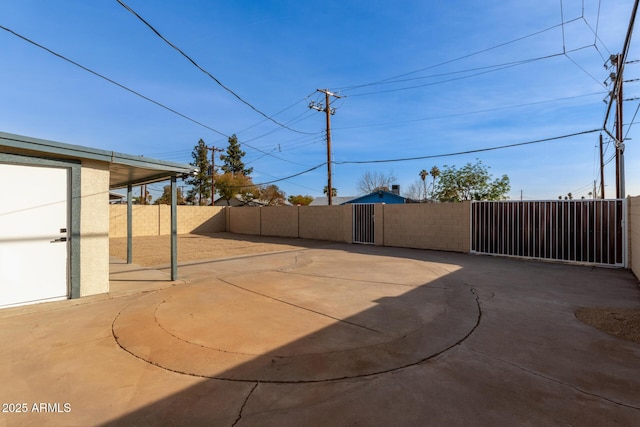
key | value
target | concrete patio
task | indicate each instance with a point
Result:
(333, 335)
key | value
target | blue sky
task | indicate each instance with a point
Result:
(416, 78)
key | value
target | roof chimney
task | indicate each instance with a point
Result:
(395, 189)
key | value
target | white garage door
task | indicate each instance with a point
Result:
(34, 213)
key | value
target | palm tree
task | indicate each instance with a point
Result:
(423, 176)
(435, 173)
(334, 192)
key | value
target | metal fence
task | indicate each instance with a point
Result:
(363, 223)
(583, 231)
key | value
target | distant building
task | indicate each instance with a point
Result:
(381, 196)
(324, 201)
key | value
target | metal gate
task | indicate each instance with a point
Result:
(363, 226)
(583, 231)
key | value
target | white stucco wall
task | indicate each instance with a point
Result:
(94, 228)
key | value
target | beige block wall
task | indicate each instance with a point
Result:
(281, 221)
(117, 220)
(244, 220)
(438, 226)
(94, 228)
(146, 220)
(193, 219)
(378, 224)
(633, 229)
(155, 220)
(326, 223)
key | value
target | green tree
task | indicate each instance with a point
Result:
(470, 182)
(165, 199)
(300, 200)
(271, 195)
(229, 186)
(233, 159)
(201, 181)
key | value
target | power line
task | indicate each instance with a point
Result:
(279, 112)
(499, 147)
(499, 68)
(632, 122)
(492, 68)
(205, 71)
(95, 73)
(471, 112)
(282, 179)
(345, 88)
(468, 70)
(582, 68)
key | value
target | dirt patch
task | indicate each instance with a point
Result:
(619, 322)
(156, 250)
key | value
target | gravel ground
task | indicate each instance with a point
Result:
(154, 250)
(620, 322)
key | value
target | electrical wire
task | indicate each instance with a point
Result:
(441, 81)
(282, 179)
(479, 150)
(564, 49)
(468, 70)
(478, 52)
(95, 73)
(141, 95)
(471, 112)
(207, 73)
(585, 71)
(632, 122)
(279, 112)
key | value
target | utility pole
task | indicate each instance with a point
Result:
(329, 111)
(616, 61)
(214, 150)
(601, 170)
(143, 194)
(616, 95)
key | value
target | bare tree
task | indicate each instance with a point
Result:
(414, 191)
(372, 181)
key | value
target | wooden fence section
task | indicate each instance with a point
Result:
(584, 231)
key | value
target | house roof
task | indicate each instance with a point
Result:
(386, 194)
(124, 169)
(324, 201)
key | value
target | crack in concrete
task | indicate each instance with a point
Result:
(300, 307)
(244, 404)
(319, 276)
(367, 375)
(555, 380)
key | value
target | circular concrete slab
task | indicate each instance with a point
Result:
(297, 326)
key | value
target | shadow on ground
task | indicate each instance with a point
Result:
(435, 337)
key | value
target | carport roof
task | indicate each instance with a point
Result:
(124, 169)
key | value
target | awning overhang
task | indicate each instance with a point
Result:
(124, 169)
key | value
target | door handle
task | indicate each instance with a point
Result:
(61, 239)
